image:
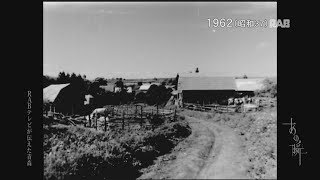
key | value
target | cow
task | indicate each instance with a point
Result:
(97, 113)
(237, 101)
(244, 100)
(230, 101)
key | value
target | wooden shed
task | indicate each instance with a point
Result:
(206, 90)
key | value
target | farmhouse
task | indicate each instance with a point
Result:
(246, 87)
(63, 98)
(205, 90)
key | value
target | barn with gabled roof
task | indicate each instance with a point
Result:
(206, 90)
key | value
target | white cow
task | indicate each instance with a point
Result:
(243, 100)
(230, 101)
(97, 112)
(238, 101)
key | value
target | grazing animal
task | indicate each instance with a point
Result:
(244, 100)
(238, 101)
(97, 113)
(230, 101)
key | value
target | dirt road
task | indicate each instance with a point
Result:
(212, 151)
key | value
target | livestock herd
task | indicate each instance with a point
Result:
(96, 113)
(243, 100)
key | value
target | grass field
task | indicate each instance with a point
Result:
(72, 152)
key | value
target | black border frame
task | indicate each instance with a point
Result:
(289, 54)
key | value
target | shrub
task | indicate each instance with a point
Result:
(269, 90)
(78, 153)
(181, 117)
(157, 95)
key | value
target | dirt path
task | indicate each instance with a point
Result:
(227, 159)
(211, 152)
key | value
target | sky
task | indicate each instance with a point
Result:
(146, 40)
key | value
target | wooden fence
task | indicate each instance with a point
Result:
(123, 115)
(215, 108)
(264, 102)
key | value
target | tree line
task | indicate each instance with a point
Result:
(156, 95)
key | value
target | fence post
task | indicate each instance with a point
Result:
(96, 122)
(157, 109)
(141, 117)
(135, 112)
(141, 113)
(105, 123)
(141, 122)
(89, 121)
(123, 120)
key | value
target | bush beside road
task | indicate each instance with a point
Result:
(72, 152)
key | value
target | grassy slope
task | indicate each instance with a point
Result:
(76, 152)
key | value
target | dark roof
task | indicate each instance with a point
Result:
(206, 83)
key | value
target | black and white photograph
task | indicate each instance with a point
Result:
(159, 90)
